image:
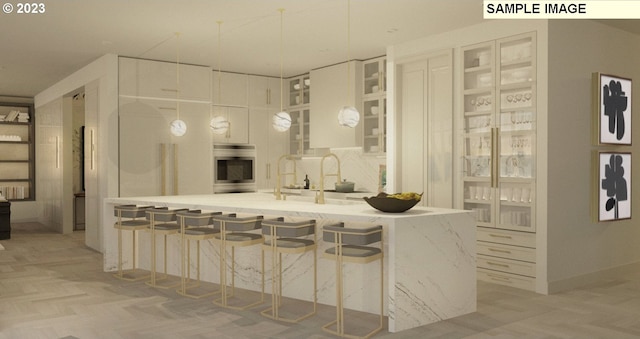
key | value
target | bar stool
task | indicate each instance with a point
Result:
(194, 226)
(133, 224)
(289, 238)
(349, 247)
(234, 232)
(167, 225)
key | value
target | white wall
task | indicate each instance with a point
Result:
(100, 79)
(577, 246)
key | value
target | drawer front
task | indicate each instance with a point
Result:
(507, 266)
(507, 251)
(507, 237)
(526, 283)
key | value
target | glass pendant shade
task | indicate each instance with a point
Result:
(178, 127)
(281, 121)
(348, 116)
(219, 125)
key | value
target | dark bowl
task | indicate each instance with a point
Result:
(390, 205)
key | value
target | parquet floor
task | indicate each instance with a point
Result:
(52, 286)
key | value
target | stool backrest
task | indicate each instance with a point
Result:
(235, 224)
(290, 229)
(194, 218)
(352, 236)
(130, 211)
(163, 213)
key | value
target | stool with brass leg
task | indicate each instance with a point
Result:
(162, 221)
(194, 225)
(235, 232)
(296, 237)
(128, 220)
(349, 247)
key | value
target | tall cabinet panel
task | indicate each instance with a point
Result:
(264, 102)
(152, 160)
(299, 100)
(17, 152)
(499, 156)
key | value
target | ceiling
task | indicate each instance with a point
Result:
(40, 49)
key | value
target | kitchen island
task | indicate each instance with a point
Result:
(429, 254)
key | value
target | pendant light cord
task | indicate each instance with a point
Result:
(281, 63)
(348, 51)
(219, 57)
(177, 75)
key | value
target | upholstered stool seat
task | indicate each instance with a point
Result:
(128, 220)
(236, 232)
(194, 225)
(350, 246)
(293, 237)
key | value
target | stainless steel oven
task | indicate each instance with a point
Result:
(234, 168)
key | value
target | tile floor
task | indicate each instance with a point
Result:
(52, 286)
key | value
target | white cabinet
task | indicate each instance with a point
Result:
(264, 92)
(152, 160)
(229, 89)
(332, 90)
(157, 79)
(499, 138)
(270, 145)
(374, 113)
(238, 118)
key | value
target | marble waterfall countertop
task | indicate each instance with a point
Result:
(429, 259)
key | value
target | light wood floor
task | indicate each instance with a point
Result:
(52, 286)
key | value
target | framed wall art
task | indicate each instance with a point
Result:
(613, 186)
(612, 109)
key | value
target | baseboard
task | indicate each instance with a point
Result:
(592, 278)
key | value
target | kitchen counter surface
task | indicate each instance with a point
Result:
(429, 254)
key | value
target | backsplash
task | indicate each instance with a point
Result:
(363, 170)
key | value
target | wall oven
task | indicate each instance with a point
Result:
(234, 168)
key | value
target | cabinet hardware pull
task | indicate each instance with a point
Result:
(168, 90)
(168, 108)
(497, 264)
(500, 251)
(268, 96)
(268, 172)
(500, 236)
(499, 278)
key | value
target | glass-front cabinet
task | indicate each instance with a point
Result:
(499, 132)
(299, 132)
(299, 90)
(499, 156)
(374, 115)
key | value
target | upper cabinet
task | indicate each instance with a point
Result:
(374, 113)
(17, 152)
(333, 89)
(229, 89)
(264, 92)
(157, 79)
(299, 89)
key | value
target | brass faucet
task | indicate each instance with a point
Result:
(320, 197)
(280, 174)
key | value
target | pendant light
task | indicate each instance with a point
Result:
(219, 124)
(178, 127)
(282, 120)
(348, 115)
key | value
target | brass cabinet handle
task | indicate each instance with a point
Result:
(500, 236)
(499, 250)
(497, 264)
